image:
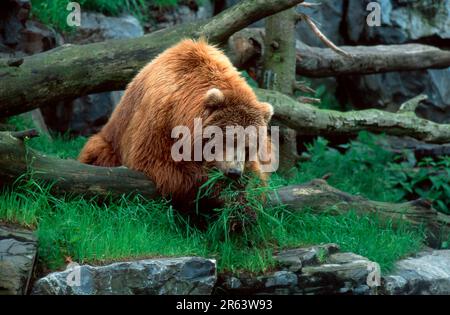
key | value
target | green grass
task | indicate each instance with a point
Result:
(90, 231)
(61, 145)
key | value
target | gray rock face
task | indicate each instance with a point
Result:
(185, 275)
(389, 90)
(97, 27)
(401, 21)
(182, 14)
(312, 270)
(12, 19)
(20, 36)
(85, 115)
(427, 273)
(17, 256)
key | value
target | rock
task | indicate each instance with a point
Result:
(13, 16)
(388, 91)
(36, 38)
(96, 27)
(281, 279)
(342, 273)
(426, 273)
(294, 259)
(165, 276)
(83, 116)
(185, 12)
(310, 270)
(18, 248)
(20, 36)
(401, 21)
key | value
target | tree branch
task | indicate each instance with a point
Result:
(323, 62)
(222, 26)
(310, 120)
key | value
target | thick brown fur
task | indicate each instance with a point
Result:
(171, 91)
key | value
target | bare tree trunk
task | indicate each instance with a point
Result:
(279, 75)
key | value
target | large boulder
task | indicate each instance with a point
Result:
(20, 36)
(165, 276)
(388, 91)
(18, 248)
(13, 17)
(427, 272)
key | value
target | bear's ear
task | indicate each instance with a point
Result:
(214, 98)
(268, 111)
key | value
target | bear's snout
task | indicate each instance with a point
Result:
(234, 173)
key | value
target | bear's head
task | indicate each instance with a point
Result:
(243, 122)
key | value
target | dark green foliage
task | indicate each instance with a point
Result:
(361, 169)
(430, 181)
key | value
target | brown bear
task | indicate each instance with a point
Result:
(189, 80)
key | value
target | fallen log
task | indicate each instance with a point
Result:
(398, 145)
(309, 120)
(318, 196)
(69, 177)
(70, 71)
(246, 45)
(323, 62)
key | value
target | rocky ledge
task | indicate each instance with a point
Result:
(428, 272)
(17, 257)
(185, 275)
(312, 270)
